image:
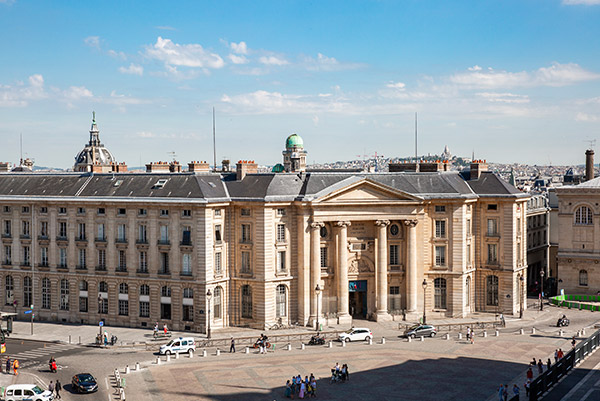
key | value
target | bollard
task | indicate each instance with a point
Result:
(127, 370)
(177, 355)
(168, 357)
(497, 333)
(218, 352)
(521, 331)
(422, 338)
(382, 340)
(560, 333)
(370, 341)
(446, 336)
(191, 354)
(79, 339)
(137, 366)
(583, 332)
(247, 351)
(158, 360)
(204, 353)
(533, 330)
(302, 346)
(288, 347)
(343, 343)
(330, 344)
(484, 333)
(460, 336)
(409, 338)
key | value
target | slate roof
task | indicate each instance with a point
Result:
(212, 187)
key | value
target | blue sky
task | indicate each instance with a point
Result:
(514, 81)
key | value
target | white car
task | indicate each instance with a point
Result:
(26, 392)
(178, 345)
(356, 334)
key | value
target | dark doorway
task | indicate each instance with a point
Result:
(358, 298)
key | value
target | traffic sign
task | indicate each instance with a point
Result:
(28, 311)
(101, 323)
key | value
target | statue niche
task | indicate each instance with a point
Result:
(360, 265)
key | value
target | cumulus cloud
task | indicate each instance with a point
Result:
(555, 75)
(235, 59)
(503, 97)
(239, 48)
(273, 60)
(92, 41)
(133, 69)
(186, 55)
(77, 92)
(396, 85)
(20, 94)
(581, 2)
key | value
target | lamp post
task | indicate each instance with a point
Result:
(424, 299)
(318, 291)
(542, 290)
(208, 297)
(521, 280)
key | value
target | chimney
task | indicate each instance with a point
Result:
(589, 164)
(198, 167)
(244, 167)
(119, 167)
(225, 164)
(478, 167)
(432, 167)
(175, 167)
(157, 167)
(401, 167)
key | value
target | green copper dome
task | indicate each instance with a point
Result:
(294, 141)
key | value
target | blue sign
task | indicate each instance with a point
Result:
(28, 311)
(100, 323)
(357, 286)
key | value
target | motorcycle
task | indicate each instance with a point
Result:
(316, 340)
(53, 367)
(562, 322)
(265, 342)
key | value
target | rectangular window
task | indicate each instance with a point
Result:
(518, 226)
(469, 255)
(246, 233)
(62, 257)
(186, 235)
(245, 212)
(142, 234)
(440, 256)
(101, 233)
(394, 256)
(218, 268)
(518, 253)
(26, 256)
(440, 209)
(121, 211)
(83, 304)
(25, 209)
(468, 227)
(164, 212)
(143, 267)
(188, 313)
(25, 228)
(123, 307)
(6, 209)
(246, 268)
(81, 231)
(62, 229)
(280, 212)
(82, 263)
(121, 232)
(122, 261)
(492, 253)
(186, 264)
(101, 259)
(80, 210)
(324, 258)
(7, 254)
(164, 234)
(44, 229)
(218, 236)
(217, 212)
(7, 228)
(187, 213)
(64, 295)
(164, 263)
(440, 228)
(492, 207)
(281, 261)
(394, 301)
(62, 210)
(43, 256)
(101, 211)
(280, 232)
(144, 309)
(142, 212)
(492, 227)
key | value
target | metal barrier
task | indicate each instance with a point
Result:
(459, 326)
(546, 380)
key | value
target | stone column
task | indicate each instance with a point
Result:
(381, 291)
(342, 272)
(411, 272)
(315, 267)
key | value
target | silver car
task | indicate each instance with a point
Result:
(420, 330)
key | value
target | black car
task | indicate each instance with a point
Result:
(421, 330)
(84, 383)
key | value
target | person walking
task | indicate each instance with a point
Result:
(16, 367)
(516, 392)
(8, 364)
(505, 393)
(57, 388)
(472, 337)
(573, 342)
(555, 355)
(51, 387)
(540, 367)
(501, 393)
(468, 333)
(548, 364)
(313, 384)
(232, 346)
(165, 329)
(560, 353)
(529, 374)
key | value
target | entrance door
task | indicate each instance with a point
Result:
(358, 298)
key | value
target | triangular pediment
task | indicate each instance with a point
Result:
(365, 190)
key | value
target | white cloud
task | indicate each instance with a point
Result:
(555, 75)
(324, 63)
(122, 100)
(580, 2)
(145, 134)
(132, 69)
(190, 55)
(77, 93)
(396, 85)
(474, 68)
(263, 102)
(20, 94)
(273, 60)
(504, 97)
(92, 41)
(235, 59)
(117, 55)
(165, 28)
(584, 117)
(239, 48)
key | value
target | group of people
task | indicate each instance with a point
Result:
(262, 343)
(55, 388)
(471, 335)
(103, 339)
(503, 392)
(165, 329)
(301, 388)
(339, 373)
(12, 364)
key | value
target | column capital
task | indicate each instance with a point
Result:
(410, 223)
(343, 224)
(317, 224)
(382, 223)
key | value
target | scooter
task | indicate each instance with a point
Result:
(316, 340)
(562, 322)
(53, 367)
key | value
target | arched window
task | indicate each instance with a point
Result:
(492, 290)
(9, 287)
(468, 291)
(188, 304)
(583, 216)
(218, 302)
(64, 294)
(83, 285)
(123, 299)
(246, 301)
(103, 287)
(46, 288)
(103, 297)
(165, 291)
(123, 288)
(83, 296)
(439, 285)
(583, 277)
(144, 289)
(27, 294)
(280, 301)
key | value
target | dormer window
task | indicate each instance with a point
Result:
(160, 183)
(117, 183)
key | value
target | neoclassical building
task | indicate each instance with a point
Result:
(297, 246)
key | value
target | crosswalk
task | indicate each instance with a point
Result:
(42, 354)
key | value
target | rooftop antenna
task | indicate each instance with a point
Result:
(592, 143)
(416, 157)
(172, 154)
(214, 144)
(21, 147)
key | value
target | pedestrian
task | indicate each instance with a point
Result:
(505, 393)
(51, 387)
(555, 355)
(288, 390)
(526, 385)
(515, 392)
(468, 333)
(560, 354)
(313, 384)
(548, 364)
(165, 329)
(502, 320)
(16, 367)
(540, 366)
(573, 342)
(298, 384)
(232, 346)
(529, 374)
(472, 337)
(302, 389)
(8, 364)
(534, 362)
(501, 393)
(57, 388)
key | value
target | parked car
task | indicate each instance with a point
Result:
(356, 334)
(30, 392)
(178, 345)
(420, 330)
(84, 383)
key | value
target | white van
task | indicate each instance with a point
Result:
(26, 392)
(181, 345)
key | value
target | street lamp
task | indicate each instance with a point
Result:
(424, 299)
(208, 297)
(318, 291)
(542, 290)
(521, 279)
